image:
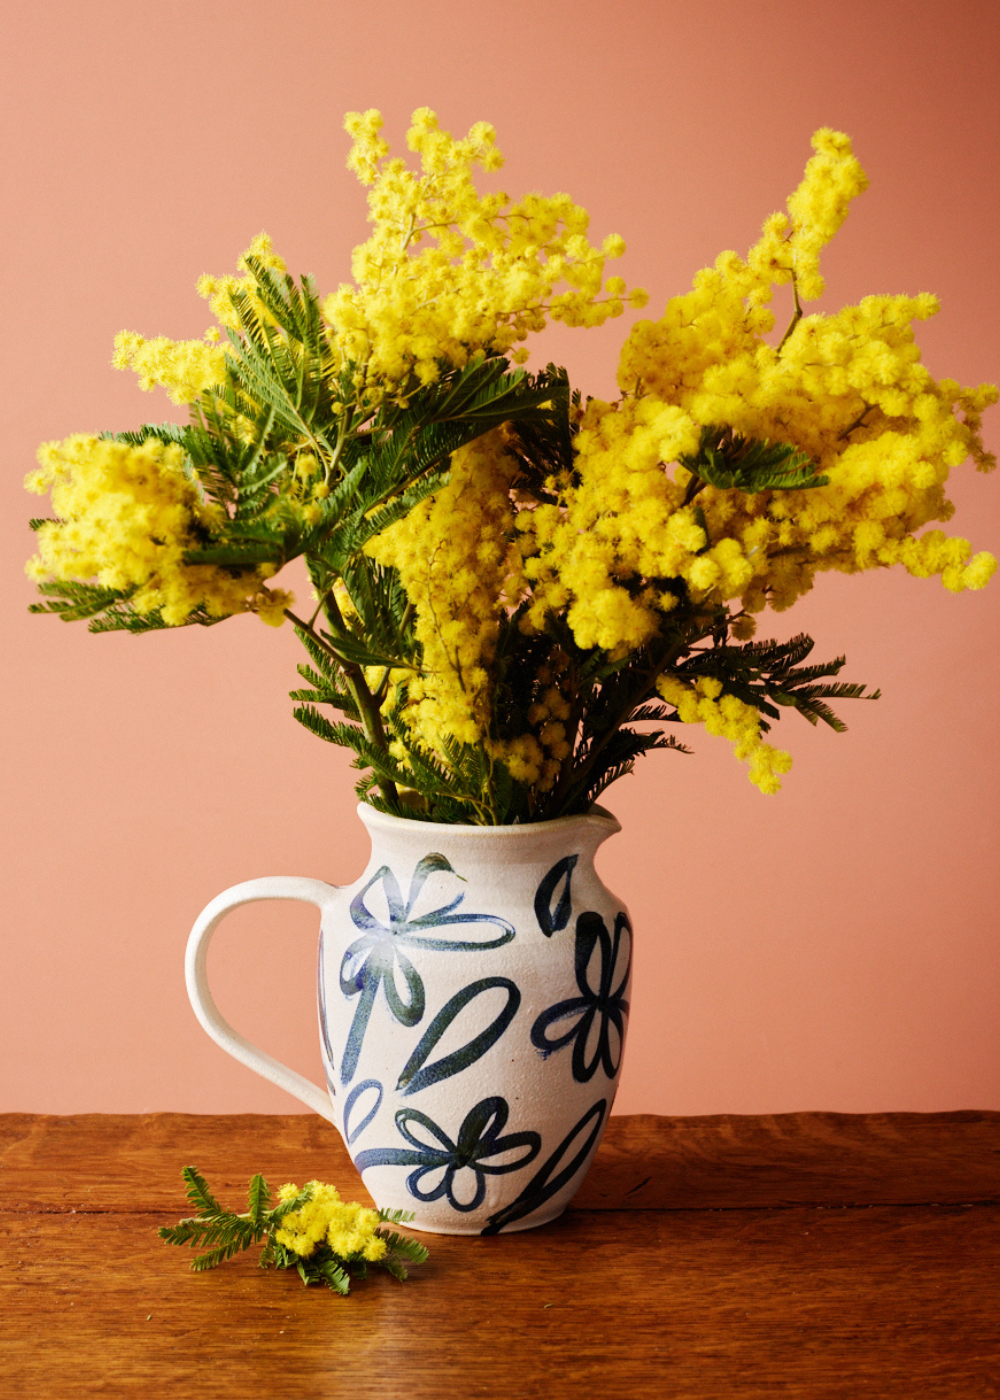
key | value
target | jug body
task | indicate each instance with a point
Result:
(473, 1002)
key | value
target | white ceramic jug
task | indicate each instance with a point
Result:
(473, 999)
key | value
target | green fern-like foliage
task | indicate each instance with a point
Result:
(768, 675)
(727, 459)
(227, 1233)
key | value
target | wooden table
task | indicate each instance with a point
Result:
(806, 1254)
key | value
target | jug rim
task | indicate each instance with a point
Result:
(597, 816)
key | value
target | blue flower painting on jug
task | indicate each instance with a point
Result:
(449, 1154)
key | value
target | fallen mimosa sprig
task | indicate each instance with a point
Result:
(311, 1229)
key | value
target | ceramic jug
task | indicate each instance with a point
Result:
(473, 999)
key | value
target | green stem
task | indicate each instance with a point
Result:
(856, 424)
(354, 678)
(344, 425)
(795, 319)
(695, 485)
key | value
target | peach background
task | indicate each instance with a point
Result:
(831, 948)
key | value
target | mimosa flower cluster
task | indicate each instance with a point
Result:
(128, 517)
(347, 1228)
(486, 275)
(507, 576)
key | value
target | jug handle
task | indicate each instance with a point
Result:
(270, 887)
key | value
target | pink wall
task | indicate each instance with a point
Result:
(834, 947)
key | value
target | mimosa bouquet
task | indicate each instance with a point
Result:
(516, 590)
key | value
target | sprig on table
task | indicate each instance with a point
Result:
(311, 1229)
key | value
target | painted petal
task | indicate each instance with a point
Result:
(409, 1008)
(354, 969)
(431, 1182)
(428, 1137)
(551, 920)
(449, 942)
(562, 1011)
(592, 953)
(417, 1074)
(467, 1188)
(584, 1069)
(352, 1133)
(395, 912)
(612, 1041)
(510, 1153)
(481, 1125)
(429, 865)
(621, 958)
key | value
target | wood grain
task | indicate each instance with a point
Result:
(732, 1160)
(883, 1301)
(706, 1259)
(644, 1162)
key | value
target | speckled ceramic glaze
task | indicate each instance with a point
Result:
(473, 995)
